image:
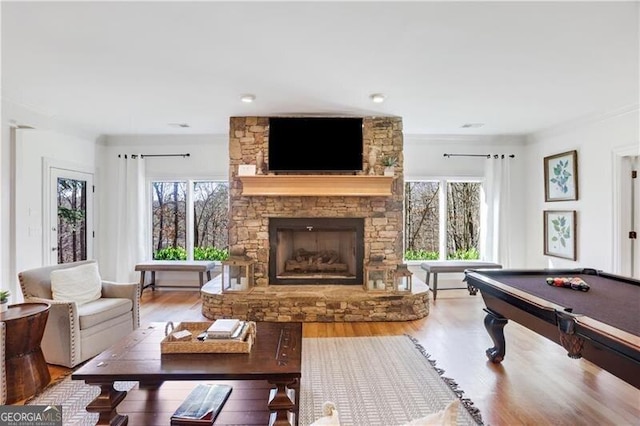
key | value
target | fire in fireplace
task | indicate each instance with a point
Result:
(316, 250)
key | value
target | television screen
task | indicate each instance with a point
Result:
(320, 144)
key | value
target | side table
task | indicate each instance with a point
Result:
(26, 370)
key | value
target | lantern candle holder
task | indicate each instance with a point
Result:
(376, 275)
(402, 278)
(237, 274)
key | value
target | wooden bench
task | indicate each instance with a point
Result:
(153, 266)
(448, 266)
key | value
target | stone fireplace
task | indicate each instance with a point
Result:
(312, 235)
(316, 251)
(250, 215)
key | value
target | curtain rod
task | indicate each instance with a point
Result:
(155, 155)
(481, 155)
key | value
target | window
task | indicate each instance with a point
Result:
(442, 224)
(72, 220)
(422, 220)
(189, 220)
(463, 220)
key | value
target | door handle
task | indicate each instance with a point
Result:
(54, 248)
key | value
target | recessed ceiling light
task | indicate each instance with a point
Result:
(472, 125)
(183, 125)
(248, 98)
(377, 98)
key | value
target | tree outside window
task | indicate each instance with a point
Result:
(463, 220)
(211, 220)
(422, 220)
(429, 228)
(170, 220)
(72, 220)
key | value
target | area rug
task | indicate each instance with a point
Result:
(74, 395)
(383, 380)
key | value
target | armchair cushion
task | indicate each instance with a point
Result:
(80, 284)
(101, 311)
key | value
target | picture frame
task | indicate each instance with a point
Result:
(246, 170)
(561, 176)
(560, 233)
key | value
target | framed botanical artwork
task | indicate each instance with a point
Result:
(560, 233)
(561, 177)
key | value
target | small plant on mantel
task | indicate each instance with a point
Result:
(389, 163)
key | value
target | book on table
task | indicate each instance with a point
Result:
(202, 406)
(223, 328)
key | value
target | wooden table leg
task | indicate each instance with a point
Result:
(151, 284)
(150, 385)
(142, 286)
(296, 388)
(281, 402)
(435, 286)
(105, 405)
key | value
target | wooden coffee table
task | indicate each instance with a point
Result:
(275, 358)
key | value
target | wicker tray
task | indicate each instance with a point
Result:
(170, 345)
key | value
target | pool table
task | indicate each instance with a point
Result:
(601, 325)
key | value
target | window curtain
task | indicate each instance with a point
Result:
(132, 228)
(494, 237)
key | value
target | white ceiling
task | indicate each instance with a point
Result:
(132, 68)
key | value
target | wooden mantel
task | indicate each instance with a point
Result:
(316, 185)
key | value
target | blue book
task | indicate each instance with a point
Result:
(202, 406)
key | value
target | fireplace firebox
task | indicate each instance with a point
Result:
(316, 250)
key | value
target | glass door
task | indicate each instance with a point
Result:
(71, 216)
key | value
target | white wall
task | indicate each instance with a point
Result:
(209, 159)
(19, 246)
(596, 141)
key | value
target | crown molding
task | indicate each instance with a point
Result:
(163, 139)
(466, 139)
(20, 115)
(582, 121)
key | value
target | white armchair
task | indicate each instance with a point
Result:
(76, 332)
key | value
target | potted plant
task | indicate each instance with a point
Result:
(4, 300)
(389, 163)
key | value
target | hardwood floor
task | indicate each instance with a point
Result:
(536, 384)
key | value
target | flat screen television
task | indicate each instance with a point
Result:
(315, 144)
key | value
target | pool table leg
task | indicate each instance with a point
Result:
(472, 290)
(568, 338)
(494, 323)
